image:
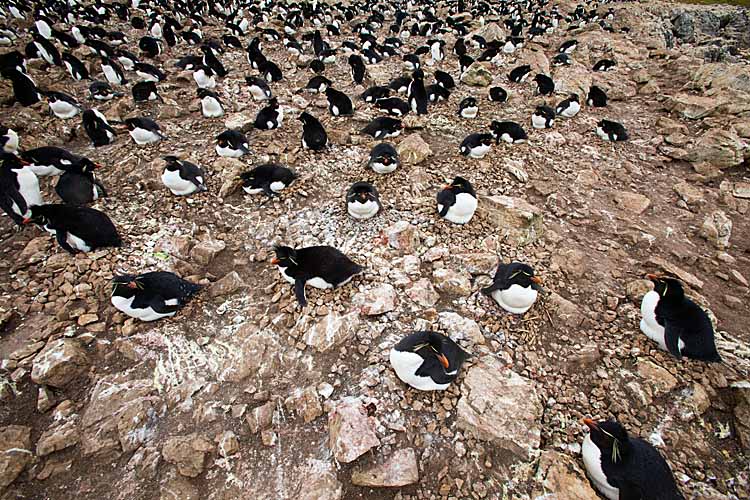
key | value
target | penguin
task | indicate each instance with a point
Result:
(126, 59)
(543, 117)
(400, 84)
(362, 201)
(144, 130)
(604, 65)
(444, 80)
(19, 187)
(384, 158)
(113, 72)
(102, 91)
(457, 201)
(375, 93)
(468, 108)
(676, 323)
(545, 85)
(507, 131)
(145, 91)
(317, 84)
(189, 63)
(25, 90)
(100, 48)
(270, 117)
(97, 128)
(417, 94)
(569, 107)
(204, 77)
(561, 60)
(411, 62)
(514, 287)
(498, 94)
(8, 140)
(383, 127)
(436, 49)
(476, 145)
(512, 43)
(149, 72)
(270, 71)
(393, 106)
(519, 74)
(464, 62)
(80, 187)
(259, 89)
(317, 66)
(314, 136)
(568, 46)
(77, 229)
(622, 467)
(339, 103)
(12, 60)
(47, 50)
(317, 266)
(182, 177)
(62, 105)
(75, 67)
(43, 26)
(50, 160)
(231, 41)
(210, 60)
(269, 179)
(436, 93)
(427, 361)
(231, 144)
(211, 105)
(150, 46)
(597, 98)
(358, 69)
(611, 131)
(151, 296)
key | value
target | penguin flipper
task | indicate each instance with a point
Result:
(672, 339)
(101, 186)
(267, 190)
(7, 207)
(62, 240)
(299, 291)
(629, 491)
(493, 287)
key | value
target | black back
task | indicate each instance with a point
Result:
(597, 98)
(515, 273)
(92, 226)
(318, 261)
(313, 133)
(427, 345)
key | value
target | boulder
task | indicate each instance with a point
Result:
(403, 236)
(178, 488)
(400, 469)
(719, 147)
(423, 293)
(188, 453)
(332, 330)
(351, 433)
(229, 170)
(304, 402)
(317, 481)
(692, 107)
(634, 203)
(562, 478)
(57, 437)
(230, 283)
(261, 418)
(688, 193)
(204, 252)
(255, 352)
(573, 79)
(228, 444)
(413, 149)
(741, 190)
(375, 301)
(660, 380)
(500, 406)
(741, 394)
(459, 328)
(15, 453)
(477, 75)
(239, 121)
(59, 363)
(717, 229)
(689, 278)
(568, 313)
(452, 282)
(515, 218)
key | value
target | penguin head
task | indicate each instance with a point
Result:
(285, 256)
(668, 288)
(40, 214)
(459, 185)
(87, 166)
(610, 437)
(522, 275)
(304, 117)
(126, 285)
(362, 192)
(173, 163)
(469, 102)
(12, 161)
(418, 75)
(573, 97)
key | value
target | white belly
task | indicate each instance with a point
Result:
(252, 190)
(649, 326)
(77, 243)
(28, 187)
(111, 75)
(228, 152)
(45, 170)
(320, 283)
(383, 169)
(479, 151)
(258, 94)
(538, 121)
(177, 184)
(143, 136)
(593, 464)
(572, 110)
(470, 112)
(277, 186)
(282, 270)
(516, 299)
(11, 145)
(600, 132)
(203, 81)
(146, 314)
(405, 364)
(211, 107)
(63, 109)
(463, 210)
(362, 210)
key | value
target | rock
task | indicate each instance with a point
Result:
(188, 453)
(57, 438)
(632, 202)
(477, 75)
(490, 31)
(738, 278)
(476, 263)
(398, 470)
(413, 149)
(534, 56)
(206, 251)
(515, 218)
(573, 79)
(332, 330)
(717, 229)
(697, 402)
(375, 301)
(741, 394)
(59, 363)
(403, 236)
(668, 126)
(562, 479)
(423, 293)
(452, 282)
(178, 488)
(567, 311)
(121, 414)
(230, 283)
(636, 289)
(351, 432)
(688, 193)
(616, 87)
(15, 453)
(719, 147)
(685, 276)
(659, 378)
(500, 406)
(45, 399)
(585, 357)
(254, 352)
(317, 481)
(741, 190)
(261, 418)
(229, 171)
(459, 328)
(305, 402)
(692, 107)
(239, 121)
(228, 444)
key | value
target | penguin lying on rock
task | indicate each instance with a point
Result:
(427, 361)
(514, 287)
(151, 296)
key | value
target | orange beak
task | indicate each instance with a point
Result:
(26, 220)
(652, 276)
(443, 360)
(98, 165)
(132, 285)
(590, 423)
(447, 186)
(537, 280)
(274, 261)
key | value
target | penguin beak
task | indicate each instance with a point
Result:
(653, 277)
(536, 279)
(590, 424)
(132, 285)
(448, 186)
(26, 220)
(24, 162)
(443, 360)
(275, 261)
(98, 165)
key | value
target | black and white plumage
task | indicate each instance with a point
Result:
(149, 72)
(62, 105)
(544, 84)
(270, 179)
(543, 117)
(232, 144)
(318, 266)
(384, 158)
(102, 91)
(519, 74)
(144, 130)
(444, 79)
(375, 93)
(79, 187)
(212, 61)
(204, 77)
(625, 468)
(561, 60)
(47, 50)
(127, 59)
(568, 46)
(569, 107)
(468, 108)
(611, 131)
(605, 65)
(25, 90)
(50, 160)
(314, 136)
(19, 187)
(75, 67)
(417, 94)
(77, 229)
(145, 91)
(259, 89)
(676, 323)
(8, 140)
(270, 117)
(427, 361)
(457, 201)
(597, 98)
(113, 72)
(476, 145)
(182, 177)
(383, 127)
(97, 127)
(339, 104)
(151, 296)
(362, 200)
(394, 106)
(150, 46)
(436, 93)
(317, 84)
(211, 105)
(400, 84)
(498, 94)
(507, 131)
(514, 287)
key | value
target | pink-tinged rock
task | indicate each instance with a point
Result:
(15, 453)
(60, 362)
(351, 433)
(562, 478)
(423, 293)
(188, 453)
(332, 330)
(376, 301)
(399, 469)
(317, 481)
(403, 236)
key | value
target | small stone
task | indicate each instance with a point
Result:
(423, 293)
(15, 453)
(659, 378)
(689, 193)
(717, 228)
(400, 469)
(228, 444)
(452, 282)
(230, 283)
(188, 453)
(305, 402)
(59, 363)
(403, 236)
(261, 417)
(375, 301)
(738, 278)
(632, 202)
(206, 251)
(741, 190)
(351, 433)
(87, 319)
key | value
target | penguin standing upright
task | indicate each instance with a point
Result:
(19, 187)
(182, 177)
(210, 60)
(427, 361)
(151, 296)
(113, 72)
(676, 323)
(514, 287)
(314, 135)
(77, 229)
(417, 95)
(597, 98)
(545, 84)
(362, 200)
(624, 468)
(204, 77)
(358, 68)
(457, 201)
(97, 128)
(25, 90)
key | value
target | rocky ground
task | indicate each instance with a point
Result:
(245, 394)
